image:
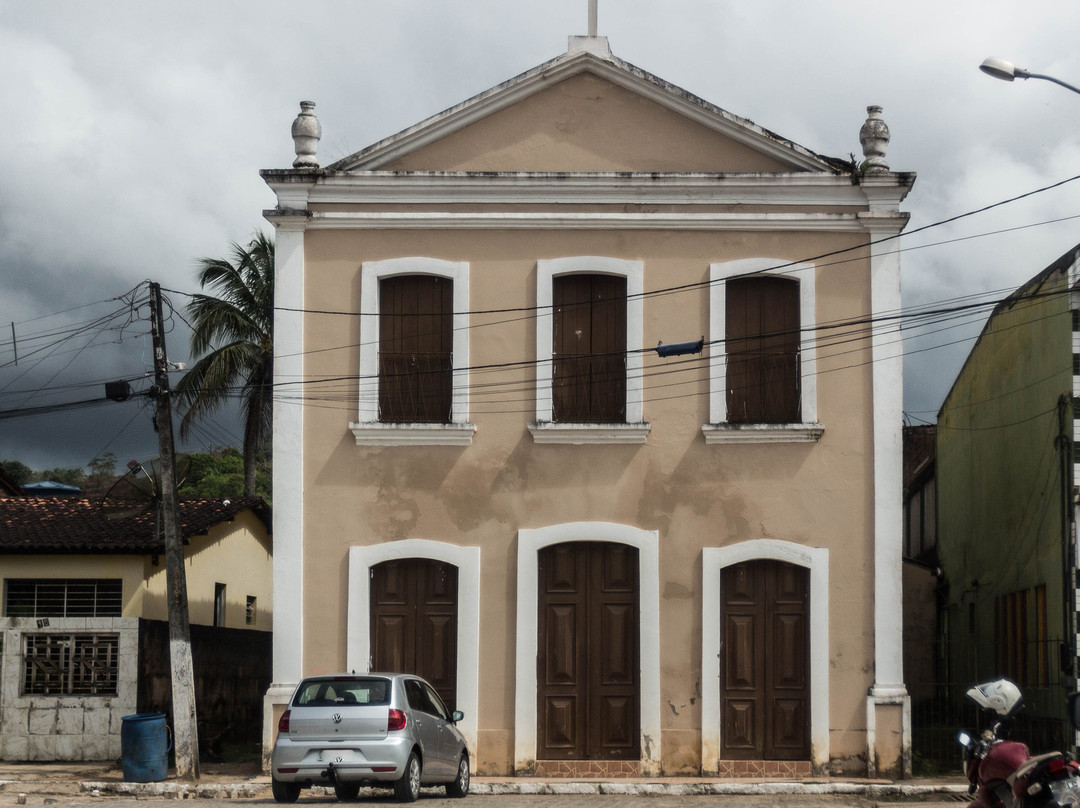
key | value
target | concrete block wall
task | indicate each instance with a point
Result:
(46, 728)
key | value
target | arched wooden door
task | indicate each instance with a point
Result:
(414, 621)
(765, 679)
(587, 667)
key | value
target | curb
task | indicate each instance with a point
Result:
(546, 787)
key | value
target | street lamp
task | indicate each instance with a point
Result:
(1006, 71)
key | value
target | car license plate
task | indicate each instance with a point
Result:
(338, 756)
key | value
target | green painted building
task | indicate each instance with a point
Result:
(1005, 470)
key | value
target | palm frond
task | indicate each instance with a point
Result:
(233, 334)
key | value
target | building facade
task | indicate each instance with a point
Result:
(1005, 476)
(583, 418)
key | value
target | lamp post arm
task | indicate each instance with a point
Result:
(1024, 74)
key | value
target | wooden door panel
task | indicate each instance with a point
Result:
(439, 635)
(562, 571)
(619, 569)
(765, 687)
(789, 720)
(562, 656)
(740, 722)
(740, 653)
(389, 642)
(617, 724)
(560, 724)
(788, 664)
(587, 695)
(414, 622)
(618, 630)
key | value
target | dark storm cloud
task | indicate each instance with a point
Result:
(134, 132)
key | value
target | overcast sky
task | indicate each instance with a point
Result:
(132, 134)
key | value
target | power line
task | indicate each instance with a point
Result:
(883, 318)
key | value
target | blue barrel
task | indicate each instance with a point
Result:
(144, 747)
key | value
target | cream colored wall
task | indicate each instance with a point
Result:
(586, 124)
(128, 568)
(695, 495)
(237, 554)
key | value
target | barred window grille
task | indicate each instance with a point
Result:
(63, 597)
(71, 664)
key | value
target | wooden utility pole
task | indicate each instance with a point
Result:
(185, 730)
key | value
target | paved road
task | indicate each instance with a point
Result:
(434, 799)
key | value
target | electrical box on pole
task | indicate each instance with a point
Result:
(185, 730)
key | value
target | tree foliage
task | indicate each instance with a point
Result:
(233, 332)
(101, 476)
(219, 474)
(20, 473)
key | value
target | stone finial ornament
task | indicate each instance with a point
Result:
(874, 137)
(306, 132)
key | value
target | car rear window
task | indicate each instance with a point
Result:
(326, 692)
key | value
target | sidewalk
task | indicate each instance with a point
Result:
(38, 781)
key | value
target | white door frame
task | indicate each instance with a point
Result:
(715, 559)
(530, 543)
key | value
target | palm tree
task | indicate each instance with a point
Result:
(239, 317)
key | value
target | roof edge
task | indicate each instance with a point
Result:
(1061, 264)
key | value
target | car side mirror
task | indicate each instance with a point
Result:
(456, 716)
(1074, 709)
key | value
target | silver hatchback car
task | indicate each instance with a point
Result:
(349, 730)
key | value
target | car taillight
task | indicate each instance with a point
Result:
(283, 722)
(396, 720)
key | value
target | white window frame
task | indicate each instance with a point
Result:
(718, 430)
(368, 430)
(634, 430)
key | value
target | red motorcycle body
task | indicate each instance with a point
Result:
(992, 771)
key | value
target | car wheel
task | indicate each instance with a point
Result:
(460, 786)
(285, 792)
(407, 789)
(346, 791)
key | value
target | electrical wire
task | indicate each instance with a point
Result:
(924, 313)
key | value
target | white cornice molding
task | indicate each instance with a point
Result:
(883, 222)
(545, 220)
(293, 221)
(292, 190)
(799, 188)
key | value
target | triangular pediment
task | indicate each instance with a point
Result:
(586, 111)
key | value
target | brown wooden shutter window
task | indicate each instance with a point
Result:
(416, 341)
(589, 349)
(763, 385)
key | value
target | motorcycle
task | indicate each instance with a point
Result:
(1001, 773)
